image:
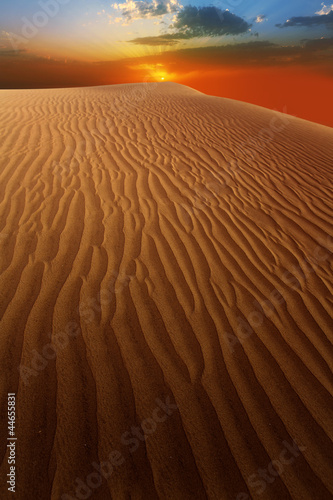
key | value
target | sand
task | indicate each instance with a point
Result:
(166, 296)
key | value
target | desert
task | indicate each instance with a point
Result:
(165, 296)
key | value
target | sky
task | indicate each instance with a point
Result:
(276, 53)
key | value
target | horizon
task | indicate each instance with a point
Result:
(273, 54)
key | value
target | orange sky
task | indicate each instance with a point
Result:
(299, 91)
(303, 91)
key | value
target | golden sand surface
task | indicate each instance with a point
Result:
(165, 296)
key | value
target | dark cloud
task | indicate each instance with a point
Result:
(22, 69)
(259, 54)
(194, 22)
(247, 53)
(4, 52)
(319, 44)
(208, 21)
(317, 20)
(156, 40)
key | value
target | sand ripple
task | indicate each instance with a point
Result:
(170, 246)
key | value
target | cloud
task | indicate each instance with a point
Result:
(5, 52)
(313, 53)
(141, 9)
(260, 19)
(194, 22)
(319, 44)
(32, 71)
(325, 10)
(156, 40)
(208, 21)
(320, 19)
(188, 22)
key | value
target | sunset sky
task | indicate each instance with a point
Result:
(277, 53)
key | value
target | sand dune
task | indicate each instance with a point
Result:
(166, 296)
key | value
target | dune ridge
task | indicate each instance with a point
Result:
(169, 246)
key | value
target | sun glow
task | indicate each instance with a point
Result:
(159, 75)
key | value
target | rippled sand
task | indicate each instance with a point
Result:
(166, 262)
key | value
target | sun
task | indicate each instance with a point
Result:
(162, 77)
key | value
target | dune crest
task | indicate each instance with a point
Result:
(166, 296)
